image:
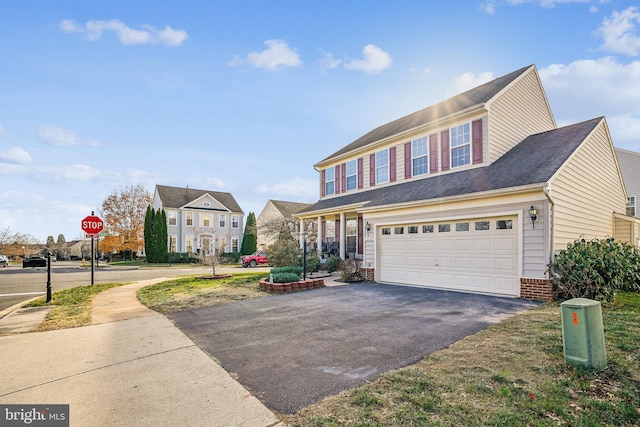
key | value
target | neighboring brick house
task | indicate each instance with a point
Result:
(200, 221)
(277, 214)
(476, 193)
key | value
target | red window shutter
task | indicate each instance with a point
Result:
(344, 177)
(476, 141)
(372, 169)
(324, 230)
(392, 164)
(407, 160)
(359, 237)
(433, 153)
(336, 174)
(337, 229)
(444, 140)
(360, 171)
(323, 176)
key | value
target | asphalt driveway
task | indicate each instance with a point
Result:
(295, 349)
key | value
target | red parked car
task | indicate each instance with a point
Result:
(254, 259)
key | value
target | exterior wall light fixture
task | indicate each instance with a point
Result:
(533, 214)
(368, 227)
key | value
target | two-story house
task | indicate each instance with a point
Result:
(200, 221)
(278, 216)
(475, 193)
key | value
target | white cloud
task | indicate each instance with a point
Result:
(59, 137)
(296, 188)
(329, 62)
(93, 31)
(619, 32)
(468, 81)
(489, 6)
(4, 133)
(585, 89)
(277, 54)
(374, 60)
(16, 155)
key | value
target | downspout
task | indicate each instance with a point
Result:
(551, 222)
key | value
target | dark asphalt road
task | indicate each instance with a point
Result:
(293, 350)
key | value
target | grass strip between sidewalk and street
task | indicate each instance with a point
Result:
(72, 307)
(192, 292)
(510, 374)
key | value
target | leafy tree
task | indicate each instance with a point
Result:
(250, 238)
(50, 242)
(61, 240)
(123, 212)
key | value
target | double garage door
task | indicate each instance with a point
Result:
(476, 255)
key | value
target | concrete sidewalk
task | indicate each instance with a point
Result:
(131, 367)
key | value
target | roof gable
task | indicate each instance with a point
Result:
(177, 198)
(477, 96)
(533, 161)
(287, 209)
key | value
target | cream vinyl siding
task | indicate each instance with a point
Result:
(521, 110)
(587, 191)
(630, 168)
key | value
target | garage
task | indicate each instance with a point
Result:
(474, 255)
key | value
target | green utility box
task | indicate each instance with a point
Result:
(583, 333)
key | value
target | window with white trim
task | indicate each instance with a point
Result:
(172, 243)
(235, 222)
(329, 181)
(352, 175)
(222, 221)
(206, 219)
(420, 156)
(234, 245)
(352, 235)
(631, 206)
(189, 244)
(172, 219)
(188, 219)
(460, 145)
(382, 166)
(330, 231)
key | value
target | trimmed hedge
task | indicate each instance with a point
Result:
(285, 277)
(293, 269)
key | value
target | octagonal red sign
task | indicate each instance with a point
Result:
(92, 224)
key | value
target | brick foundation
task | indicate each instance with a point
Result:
(368, 274)
(536, 289)
(283, 288)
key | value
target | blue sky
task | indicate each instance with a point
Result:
(246, 96)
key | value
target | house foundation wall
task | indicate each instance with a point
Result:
(536, 289)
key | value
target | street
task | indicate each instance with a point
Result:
(18, 284)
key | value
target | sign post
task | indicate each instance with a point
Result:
(92, 226)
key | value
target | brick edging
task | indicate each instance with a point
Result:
(283, 288)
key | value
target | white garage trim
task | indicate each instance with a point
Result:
(429, 259)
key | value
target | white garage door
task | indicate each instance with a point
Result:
(478, 255)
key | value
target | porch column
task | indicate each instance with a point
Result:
(343, 237)
(300, 239)
(319, 238)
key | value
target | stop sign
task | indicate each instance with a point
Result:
(92, 225)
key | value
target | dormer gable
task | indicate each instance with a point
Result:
(206, 202)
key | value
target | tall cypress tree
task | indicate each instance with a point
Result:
(149, 234)
(250, 238)
(162, 236)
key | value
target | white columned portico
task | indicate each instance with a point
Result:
(300, 238)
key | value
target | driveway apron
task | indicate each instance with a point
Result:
(295, 349)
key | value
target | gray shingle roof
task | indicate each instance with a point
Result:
(533, 161)
(475, 96)
(287, 209)
(177, 197)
